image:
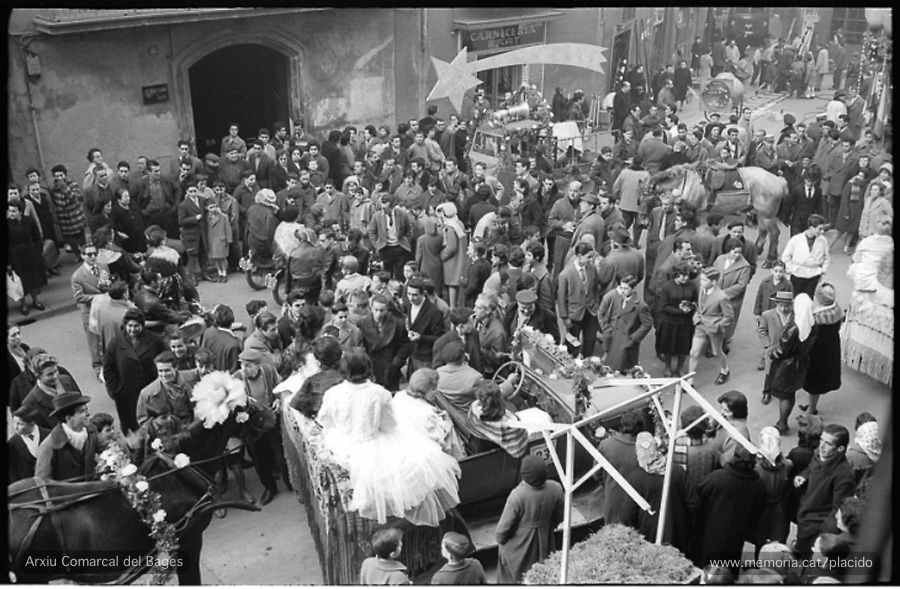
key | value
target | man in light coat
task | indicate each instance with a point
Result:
(88, 282)
(821, 66)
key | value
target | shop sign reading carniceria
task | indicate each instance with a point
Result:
(504, 37)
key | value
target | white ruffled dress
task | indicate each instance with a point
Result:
(397, 472)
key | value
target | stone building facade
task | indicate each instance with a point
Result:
(134, 82)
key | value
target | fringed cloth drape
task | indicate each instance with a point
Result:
(867, 336)
(342, 537)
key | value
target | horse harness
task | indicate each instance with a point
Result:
(51, 506)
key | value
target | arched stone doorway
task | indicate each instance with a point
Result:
(275, 42)
(246, 84)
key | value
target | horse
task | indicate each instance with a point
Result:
(767, 191)
(49, 519)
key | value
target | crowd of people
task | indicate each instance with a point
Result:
(409, 275)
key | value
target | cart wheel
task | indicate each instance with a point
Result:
(516, 367)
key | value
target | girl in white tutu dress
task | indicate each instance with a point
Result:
(394, 471)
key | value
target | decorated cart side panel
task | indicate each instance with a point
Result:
(342, 538)
(554, 388)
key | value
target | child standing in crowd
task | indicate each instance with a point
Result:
(219, 238)
(459, 570)
(384, 568)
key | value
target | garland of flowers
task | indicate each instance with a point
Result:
(114, 465)
(581, 371)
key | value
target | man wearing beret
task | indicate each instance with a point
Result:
(525, 312)
(266, 450)
(70, 449)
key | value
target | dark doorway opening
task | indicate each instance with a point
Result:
(246, 84)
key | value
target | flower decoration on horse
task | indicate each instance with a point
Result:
(116, 466)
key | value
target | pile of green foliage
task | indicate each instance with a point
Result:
(616, 555)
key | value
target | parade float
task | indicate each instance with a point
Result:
(867, 334)
(565, 403)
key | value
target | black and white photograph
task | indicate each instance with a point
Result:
(393, 295)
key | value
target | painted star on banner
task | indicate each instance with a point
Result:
(454, 79)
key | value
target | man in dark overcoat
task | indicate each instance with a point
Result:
(386, 340)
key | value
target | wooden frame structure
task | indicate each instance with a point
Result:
(656, 387)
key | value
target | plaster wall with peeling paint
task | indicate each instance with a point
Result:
(89, 91)
(347, 66)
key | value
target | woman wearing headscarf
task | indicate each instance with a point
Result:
(878, 200)
(824, 374)
(525, 530)
(865, 451)
(262, 220)
(772, 468)
(790, 359)
(648, 480)
(730, 503)
(454, 251)
(428, 252)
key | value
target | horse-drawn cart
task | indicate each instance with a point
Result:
(553, 389)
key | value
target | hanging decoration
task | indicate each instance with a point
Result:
(457, 77)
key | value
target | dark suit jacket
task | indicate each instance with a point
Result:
(619, 263)
(13, 369)
(95, 197)
(225, 348)
(128, 370)
(389, 349)
(798, 207)
(473, 349)
(190, 225)
(19, 460)
(265, 171)
(429, 324)
(840, 172)
(573, 297)
(592, 224)
(378, 230)
(653, 151)
(143, 195)
(540, 320)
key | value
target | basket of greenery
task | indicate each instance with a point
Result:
(616, 555)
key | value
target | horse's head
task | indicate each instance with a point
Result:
(187, 492)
